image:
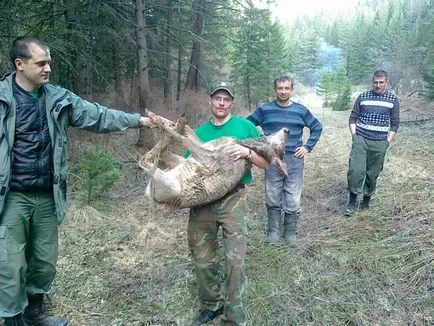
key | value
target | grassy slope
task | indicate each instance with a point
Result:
(131, 266)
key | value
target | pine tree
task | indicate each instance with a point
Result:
(325, 86)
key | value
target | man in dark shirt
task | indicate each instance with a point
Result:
(34, 117)
(373, 124)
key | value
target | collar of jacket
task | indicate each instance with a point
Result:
(6, 88)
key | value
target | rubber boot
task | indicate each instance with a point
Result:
(206, 316)
(16, 320)
(351, 207)
(365, 203)
(290, 227)
(35, 315)
(274, 223)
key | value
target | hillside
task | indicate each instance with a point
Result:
(130, 264)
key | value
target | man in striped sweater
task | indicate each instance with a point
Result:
(373, 124)
(283, 192)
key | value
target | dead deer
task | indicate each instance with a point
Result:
(208, 173)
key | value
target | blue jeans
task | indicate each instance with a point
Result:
(284, 193)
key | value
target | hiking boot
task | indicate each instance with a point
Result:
(290, 227)
(205, 316)
(35, 315)
(16, 320)
(274, 222)
(364, 205)
(351, 207)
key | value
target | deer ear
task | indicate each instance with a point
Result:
(281, 166)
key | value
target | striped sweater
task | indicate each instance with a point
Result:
(272, 117)
(375, 115)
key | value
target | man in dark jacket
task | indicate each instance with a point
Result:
(373, 124)
(34, 117)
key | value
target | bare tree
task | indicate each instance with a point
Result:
(192, 81)
(167, 83)
(142, 65)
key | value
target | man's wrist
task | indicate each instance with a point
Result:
(249, 156)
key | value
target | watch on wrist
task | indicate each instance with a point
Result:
(249, 156)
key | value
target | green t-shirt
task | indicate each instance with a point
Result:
(236, 127)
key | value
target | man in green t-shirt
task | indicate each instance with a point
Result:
(228, 213)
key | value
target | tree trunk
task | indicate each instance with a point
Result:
(70, 18)
(142, 68)
(179, 73)
(167, 84)
(248, 92)
(192, 81)
(118, 76)
(179, 70)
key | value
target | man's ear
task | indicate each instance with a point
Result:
(19, 64)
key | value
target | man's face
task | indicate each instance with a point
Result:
(283, 90)
(379, 84)
(221, 104)
(36, 70)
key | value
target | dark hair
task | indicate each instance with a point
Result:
(282, 79)
(21, 48)
(380, 73)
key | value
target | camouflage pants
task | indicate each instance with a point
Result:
(215, 289)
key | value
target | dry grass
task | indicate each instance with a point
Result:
(129, 263)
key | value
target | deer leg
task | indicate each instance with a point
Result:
(190, 141)
(147, 162)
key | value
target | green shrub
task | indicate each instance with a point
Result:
(325, 86)
(343, 99)
(99, 172)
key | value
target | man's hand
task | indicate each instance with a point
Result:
(390, 136)
(147, 122)
(237, 152)
(300, 152)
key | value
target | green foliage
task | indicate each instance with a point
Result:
(335, 88)
(94, 43)
(258, 56)
(308, 57)
(354, 42)
(342, 90)
(343, 98)
(99, 172)
(325, 86)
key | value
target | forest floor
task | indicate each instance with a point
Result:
(127, 261)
